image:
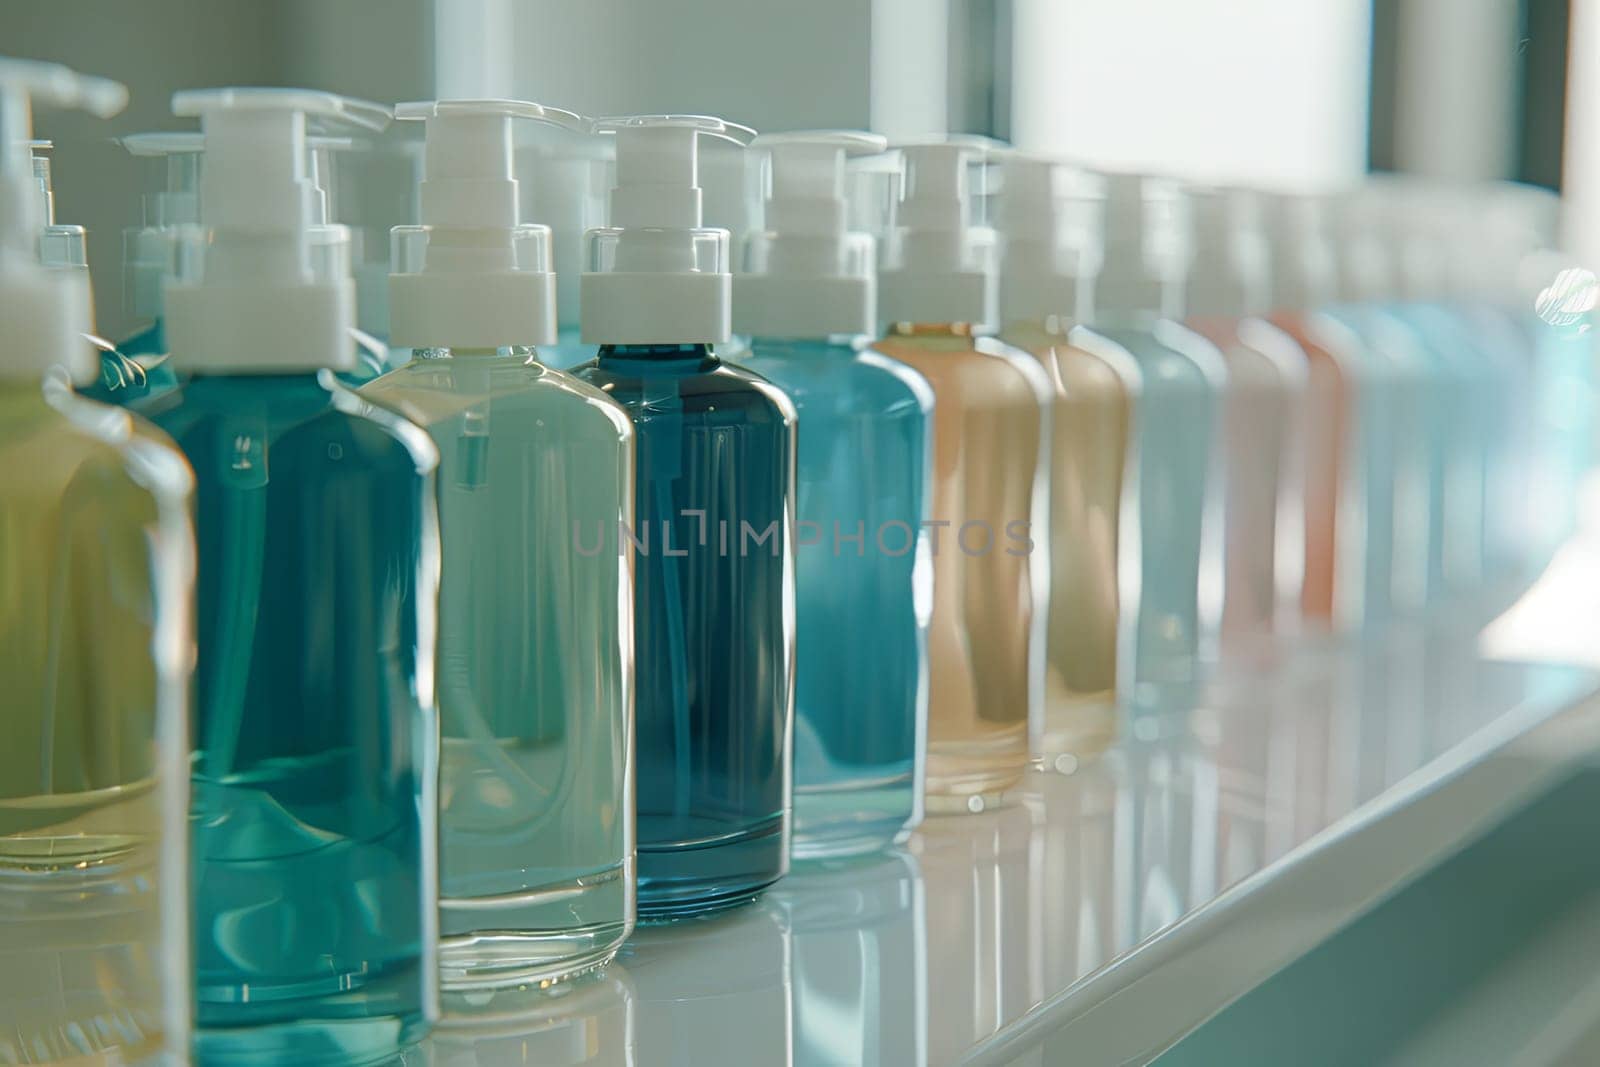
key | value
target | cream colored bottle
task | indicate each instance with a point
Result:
(1048, 222)
(990, 538)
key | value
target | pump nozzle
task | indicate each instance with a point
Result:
(44, 314)
(1148, 247)
(656, 275)
(250, 297)
(473, 276)
(939, 261)
(1050, 226)
(731, 200)
(805, 274)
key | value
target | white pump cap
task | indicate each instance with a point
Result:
(44, 313)
(148, 250)
(1148, 247)
(656, 275)
(564, 178)
(939, 263)
(1049, 222)
(1231, 277)
(263, 288)
(730, 189)
(471, 276)
(1360, 264)
(61, 245)
(806, 274)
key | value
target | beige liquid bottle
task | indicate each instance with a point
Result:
(1048, 220)
(990, 537)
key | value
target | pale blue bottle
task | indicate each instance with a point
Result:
(806, 298)
(1177, 540)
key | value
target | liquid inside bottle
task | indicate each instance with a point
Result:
(714, 635)
(990, 558)
(95, 570)
(863, 587)
(315, 756)
(1091, 422)
(534, 666)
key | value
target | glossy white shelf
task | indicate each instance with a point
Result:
(1098, 916)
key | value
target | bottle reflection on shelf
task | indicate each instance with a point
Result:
(1071, 874)
(975, 877)
(587, 1020)
(715, 989)
(855, 923)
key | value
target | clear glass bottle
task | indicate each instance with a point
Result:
(806, 299)
(1174, 541)
(1049, 220)
(1263, 423)
(991, 438)
(313, 832)
(96, 587)
(714, 536)
(535, 666)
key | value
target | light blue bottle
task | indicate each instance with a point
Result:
(714, 535)
(316, 744)
(536, 864)
(1176, 541)
(806, 299)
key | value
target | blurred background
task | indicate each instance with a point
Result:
(1284, 93)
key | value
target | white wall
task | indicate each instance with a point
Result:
(1273, 91)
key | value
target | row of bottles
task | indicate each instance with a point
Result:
(489, 659)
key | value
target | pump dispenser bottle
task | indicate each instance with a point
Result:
(1263, 422)
(316, 744)
(1049, 250)
(96, 564)
(1172, 543)
(714, 533)
(806, 299)
(989, 535)
(535, 630)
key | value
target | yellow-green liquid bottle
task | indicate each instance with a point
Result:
(96, 580)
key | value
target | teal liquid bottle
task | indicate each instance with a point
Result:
(96, 584)
(536, 819)
(713, 536)
(806, 298)
(315, 742)
(1175, 543)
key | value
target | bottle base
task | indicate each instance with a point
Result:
(509, 959)
(852, 822)
(537, 935)
(1074, 734)
(330, 1042)
(681, 878)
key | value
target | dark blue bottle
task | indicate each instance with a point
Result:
(714, 574)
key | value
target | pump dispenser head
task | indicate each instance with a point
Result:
(1049, 222)
(263, 287)
(148, 250)
(1148, 247)
(939, 261)
(44, 313)
(805, 275)
(729, 183)
(61, 245)
(564, 178)
(656, 275)
(1231, 276)
(472, 275)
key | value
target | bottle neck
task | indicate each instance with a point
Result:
(522, 351)
(934, 329)
(702, 357)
